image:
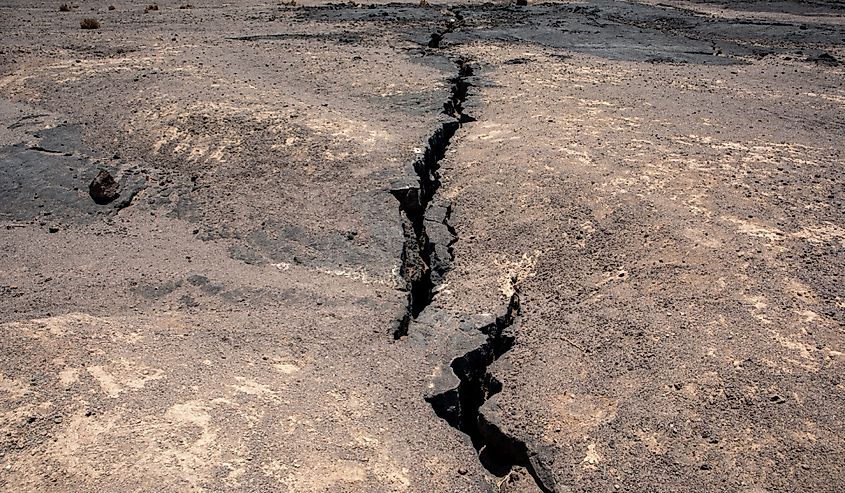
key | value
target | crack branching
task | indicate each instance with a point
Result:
(418, 250)
(498, 452)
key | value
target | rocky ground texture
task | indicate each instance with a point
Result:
(555, 247)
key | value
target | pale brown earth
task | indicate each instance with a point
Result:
(625, 272)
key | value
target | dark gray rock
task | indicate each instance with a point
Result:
(103, 188)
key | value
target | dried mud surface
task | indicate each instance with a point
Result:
(557, 247)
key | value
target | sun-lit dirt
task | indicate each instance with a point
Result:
(311, 247)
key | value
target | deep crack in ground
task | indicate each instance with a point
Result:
(420, 267)
(498, 452)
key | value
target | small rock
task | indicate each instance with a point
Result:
(103, 189)
(777, 399)
(462, 470)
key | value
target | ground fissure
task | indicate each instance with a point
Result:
(421, 269)
(498, 452)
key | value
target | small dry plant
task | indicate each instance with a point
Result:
(89, 24)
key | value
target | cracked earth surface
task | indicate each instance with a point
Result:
(557, 247)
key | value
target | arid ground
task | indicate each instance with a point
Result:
(564, 247)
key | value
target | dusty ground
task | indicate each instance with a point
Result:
(614, 263)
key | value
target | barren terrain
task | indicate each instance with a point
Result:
(556, 247)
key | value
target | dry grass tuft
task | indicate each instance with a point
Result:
(151, 7)
(186, 6)
(64, 8)
(89, 24)
(423, 3)
(291, 3)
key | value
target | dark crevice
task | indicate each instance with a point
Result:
(435, 39)
(498, 452)
(454, 107)
(418, 251)
(451, 25)
(48, 151)
(451, 229)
